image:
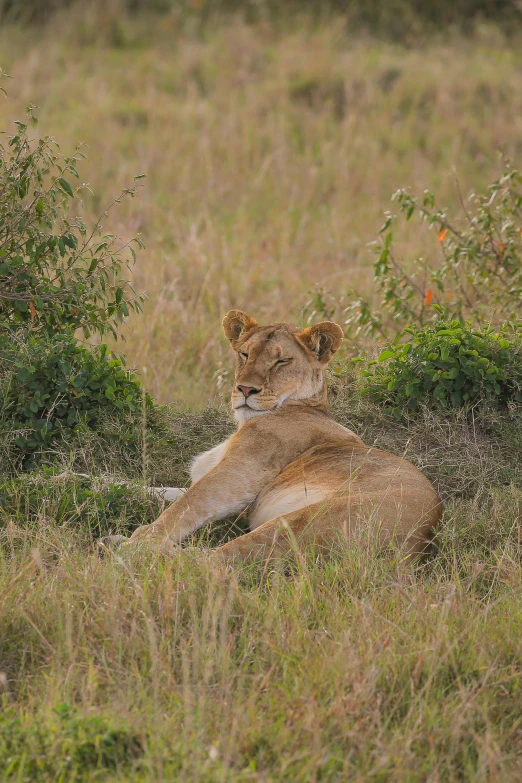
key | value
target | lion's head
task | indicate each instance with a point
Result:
(278, 362)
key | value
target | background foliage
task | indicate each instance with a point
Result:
(398, 18)
(55, 271)
(70, 746)
(479, 276)
(267, 171)
(448, 364)
(52, 387)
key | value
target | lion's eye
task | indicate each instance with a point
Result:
(282, 361)
(243, 355)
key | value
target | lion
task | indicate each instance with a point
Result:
(298, 475)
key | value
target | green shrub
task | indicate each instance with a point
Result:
(474, 272)
(68, 746)
(56, 276)
(448, 364)
(56, 273)
(53, 386)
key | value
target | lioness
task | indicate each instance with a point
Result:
(299, 475)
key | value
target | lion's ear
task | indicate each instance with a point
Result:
(322, 340)
(235, 323)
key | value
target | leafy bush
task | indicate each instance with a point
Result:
(66, 747)
(55, 272)
(53, 386)
(479, 274)
(448, 364)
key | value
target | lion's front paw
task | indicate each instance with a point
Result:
(111, 543)
(143, 532)
(154, 537)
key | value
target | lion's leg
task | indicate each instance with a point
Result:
(278, 536)
(321, 523)
(165, 494)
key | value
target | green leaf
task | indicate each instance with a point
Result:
(386, 355)
(65, 186)
(70, 241)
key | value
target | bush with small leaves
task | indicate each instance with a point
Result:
(448, 364)
(475, 271)
(51, 387)
(56, 273)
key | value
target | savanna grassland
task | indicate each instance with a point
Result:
(270, 154)
(270, 157)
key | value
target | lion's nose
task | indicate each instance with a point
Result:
(248, 390)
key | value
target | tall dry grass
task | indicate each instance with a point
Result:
(355, 668)
(347, 665)
(269, 157)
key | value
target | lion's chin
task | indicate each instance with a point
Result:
(244, 412)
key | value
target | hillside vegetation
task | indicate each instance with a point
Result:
(271, 150)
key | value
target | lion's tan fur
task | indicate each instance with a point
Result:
(298, 475)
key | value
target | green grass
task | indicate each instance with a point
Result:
(65, 745)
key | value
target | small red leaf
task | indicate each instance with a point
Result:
(32, 309)
(442, 234)
(429, 296)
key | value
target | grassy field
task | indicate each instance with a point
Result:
(270, 157)
(268, 170)
(349, 665)
(353, 667)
